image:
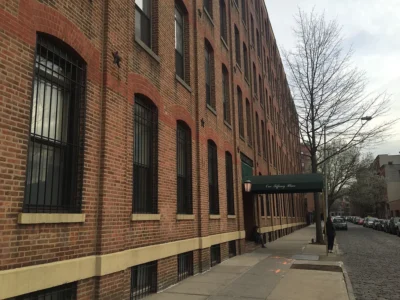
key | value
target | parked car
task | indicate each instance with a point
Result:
(370, 222)
(394, 224)
(386, 226)
(339, 223)
(356, 219)
(360, 222)
(376, 224)
(382, 225)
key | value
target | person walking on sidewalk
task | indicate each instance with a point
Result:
(330, 232)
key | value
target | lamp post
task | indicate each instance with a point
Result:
(366, 119)
(247, 186)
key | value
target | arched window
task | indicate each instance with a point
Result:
(184, 168)
(145, 156)
(55, 156)
(213, 196)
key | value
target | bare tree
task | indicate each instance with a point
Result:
(330, 93)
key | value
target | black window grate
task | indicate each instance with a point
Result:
(62, 292)
(240, 112)
(185, 265)
(213, 178)
(232, 248)
(184, 169)
(143, 280)
(145, 156)
(229, 184)
(215, 253)
(55, 155)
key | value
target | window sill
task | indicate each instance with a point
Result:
(184, 217)
(181, 81)
(247, 81)
(245, 25)
(224, 43)
(147, 49)
(231, 216)
(39, 218)
(208, 16)
(212, 109)
(215, 217)
(228, 125)
(263, 217)
(145, 217)
(242, 138)
(238, 67)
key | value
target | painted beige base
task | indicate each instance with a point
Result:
(33, 218)
(278, 227)
(231, 217)
(185, 217)
(215, 217)
(145, 217)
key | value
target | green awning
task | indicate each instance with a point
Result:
(283, 184)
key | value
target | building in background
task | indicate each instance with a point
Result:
(126, 130)
(388, 166)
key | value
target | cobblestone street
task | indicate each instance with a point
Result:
(372, 259)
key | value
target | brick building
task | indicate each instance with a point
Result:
(125, 132)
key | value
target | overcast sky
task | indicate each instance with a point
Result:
(372, 27)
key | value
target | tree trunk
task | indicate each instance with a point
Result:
(318, 227)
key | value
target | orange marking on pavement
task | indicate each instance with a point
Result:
(285, 263)
(277, 271)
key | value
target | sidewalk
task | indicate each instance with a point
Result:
(288, 269)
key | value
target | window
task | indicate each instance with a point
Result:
(246, 61)
(237, 46)
(180, 32)
(258, 44)
(215, 253)
(208, 7)
(145, 156)
(255, 79)
(184, 168)
(240, 112)
(248, 119)
(244, 12)
(209, 64)
(232, 248)
(252, 29)
(222, 19)
(213, 178)
(260, 91)
(143, 21)
(229, 184)
(262, 206)
(225, 95)
(264, 142)
(268, 205)
(55, 155)
(185, 265)
(143, 280)
(62, 292)
(258, 135)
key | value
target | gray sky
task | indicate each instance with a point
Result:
(372, 27)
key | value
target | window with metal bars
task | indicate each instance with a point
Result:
(62, 292)
(184, 168)
(249, 126)
(240, 112)
(145, 182)
(262, 206)
(258, 134)
(143, 21)
(213, 197)
(55, 155)
(268, 198)
(229, 184)
(237, 47)
(225, 94)
(244, 12)
(143, 280)
(292, 207)
(180, 41)
(246, 61)
(278, 204)
(232, 248)
(215, 254)
(209, 64)
(264, 142)
(222, 19)
(185, 265)
(208, 6)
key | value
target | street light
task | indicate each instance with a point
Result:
(247, 186)
(366, 119)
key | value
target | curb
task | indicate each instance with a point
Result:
(349, 286)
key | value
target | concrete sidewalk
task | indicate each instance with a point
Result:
(288, 269)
